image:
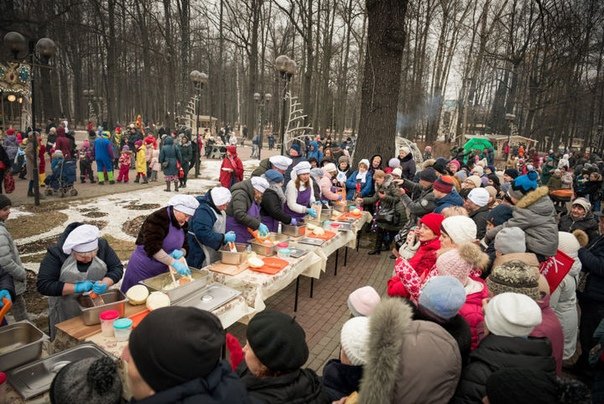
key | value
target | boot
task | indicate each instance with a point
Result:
(110, 175)
(136, 181)
(145, 180)
(167, 186)
(101, 178)
(83, 180)
(176, 186)
(377, 248)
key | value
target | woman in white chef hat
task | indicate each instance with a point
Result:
(80, 262)
(161, 242)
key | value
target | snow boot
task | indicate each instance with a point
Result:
(167, 186)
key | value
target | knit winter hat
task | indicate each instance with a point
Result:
(442, 296)
(126, 148)
(478, 170)
(397, 171)
(524, 184)
(512, 315)
(331, 168)
(514, 276)
(492, 191)
(584, 203)
(455, 163)
(461, 229)
(274, 176)
(568, 244)
(90, 380)
(296, 147)
(440, 165)
(443, 184)
(433, 222)
(4, 201)
(511, 172)
(510, 240)
(354, 338)
(474, 179)
(344, 159)
(278, 341)
(479, 196)
(186, 344)
(394, 163)
(459, 262)
(428, 174)
(499, 214)
(362, 301)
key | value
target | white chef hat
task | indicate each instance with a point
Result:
(302, 167)
(220, 195)
(260, 184)
(280, 162)
(184, 203)
(83, 238)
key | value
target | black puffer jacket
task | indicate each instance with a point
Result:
(301, 386)
(220, 386)
(391, 200)
(496, 352)
(592, 262)
(588, 224)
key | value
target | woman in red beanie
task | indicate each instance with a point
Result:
(428, 233)
(231, 170)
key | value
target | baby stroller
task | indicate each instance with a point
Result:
(62, 179)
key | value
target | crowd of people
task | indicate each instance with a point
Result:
(469, 315)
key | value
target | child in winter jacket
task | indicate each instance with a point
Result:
(141, 162)
(154, 165)
(86, 157)
(342, 376)
(124, 163)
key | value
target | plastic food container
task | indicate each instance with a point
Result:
(284, 252)
(122, 328)
(107, 318)
(283, 244)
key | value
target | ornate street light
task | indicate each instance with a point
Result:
(287, 69)
(40, 51)
(199, 80)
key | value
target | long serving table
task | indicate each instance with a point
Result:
(255, 289)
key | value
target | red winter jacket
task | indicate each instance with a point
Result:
(228, 178)
(472, 312)
(551, 329)
(422, 262)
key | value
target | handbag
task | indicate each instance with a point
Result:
(385, 215)
(9, 183)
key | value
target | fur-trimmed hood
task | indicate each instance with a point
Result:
(532, 197)
(408, 361)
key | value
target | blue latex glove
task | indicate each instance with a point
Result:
(294, 222)
(176, 254)
(230, 237)
(312, 212)
(99, 288)
(83, 286)
(262, 230)
(182, 269)
(4, 293)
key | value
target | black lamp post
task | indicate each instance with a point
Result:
(199, 79)
(510, 118)
(286, 68)
(261, 101)
(40, 51)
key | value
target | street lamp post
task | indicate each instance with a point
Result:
(286, 68)
(199, 79)
(40, 51)
(261, 101)
(89, 95)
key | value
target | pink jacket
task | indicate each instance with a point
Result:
(551, 329)
(326, 192)
(472, 312)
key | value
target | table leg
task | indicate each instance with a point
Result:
(335, 272)
(296, 297)
(312, 286)
(358, 239)
(345, 256)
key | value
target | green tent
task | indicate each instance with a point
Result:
(477, 143)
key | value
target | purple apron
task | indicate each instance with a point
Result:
(141, 266)
(241, 233)
(271, 223)
(302, 199)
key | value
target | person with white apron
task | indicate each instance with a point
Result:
(81, 262)
(207, 228)
(161, 242)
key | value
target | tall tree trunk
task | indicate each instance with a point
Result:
(382, 77)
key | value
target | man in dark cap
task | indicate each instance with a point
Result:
(275, 352)
(174, 355)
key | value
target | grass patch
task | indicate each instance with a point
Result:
(38, 223)
(133, 226)
(122, 248)
(34, 258)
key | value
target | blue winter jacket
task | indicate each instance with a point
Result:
(314, 152)
(451, 199)
(201, 225)
(351, 186)
(103, 149)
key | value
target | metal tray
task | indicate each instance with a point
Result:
(311, 241)
(294, 231)
(114, 300)
(210, 297)
(35, 378)
(344, 226)
(20, 343)
(297, 252)
(201, 277)
(268, 250)
(233, 258)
